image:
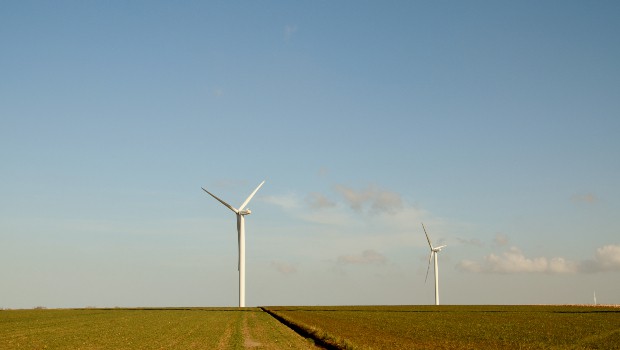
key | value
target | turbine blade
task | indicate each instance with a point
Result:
(221, 201)
(430, 257)
(428, 239)
(250, 197)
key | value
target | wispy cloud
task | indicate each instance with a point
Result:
(388, 214)
(289, 201)
(318, 201)
(372, 199)
(589, 198)
(607, 258)
(369, 256)
(501, 240)
(283, 267)
(472, 241)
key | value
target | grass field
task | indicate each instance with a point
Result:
(460, 327)
(342, 327)
(146, 329)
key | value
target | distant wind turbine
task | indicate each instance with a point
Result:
(434, 251)
(241, 213)
(594, 297)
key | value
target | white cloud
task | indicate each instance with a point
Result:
(607, 258)
(514, 261)
(561, 265)
(368, 256)
(372, 199)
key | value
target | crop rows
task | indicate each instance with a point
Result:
(458, 327)
(340, 327)
(145, 329)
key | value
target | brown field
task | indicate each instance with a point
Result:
(459, 327)
(338, 327)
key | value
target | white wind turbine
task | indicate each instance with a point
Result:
(241, 213)
(434, 251)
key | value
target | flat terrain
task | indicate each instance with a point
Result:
(340, 327)
(460, 327)
(146, 329)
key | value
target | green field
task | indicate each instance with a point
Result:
(460, 327)
(193, 328)
(341, 327)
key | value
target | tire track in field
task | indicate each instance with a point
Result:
(224, 342)
(248, 342)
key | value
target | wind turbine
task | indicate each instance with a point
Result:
(434, 251)
(241, 213)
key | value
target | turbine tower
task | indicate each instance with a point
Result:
(241, 213)
(434, 251)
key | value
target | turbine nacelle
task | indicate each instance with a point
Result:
(245, 212)
(438, 249)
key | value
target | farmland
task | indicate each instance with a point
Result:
(339, 327)
(145, 329)
(459, 327)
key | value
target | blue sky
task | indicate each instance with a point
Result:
(494, 123)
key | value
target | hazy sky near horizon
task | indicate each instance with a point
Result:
(496, 123)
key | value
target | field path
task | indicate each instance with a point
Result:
(225, 340)
(186, 328)
(248, 341)
(261, 331)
